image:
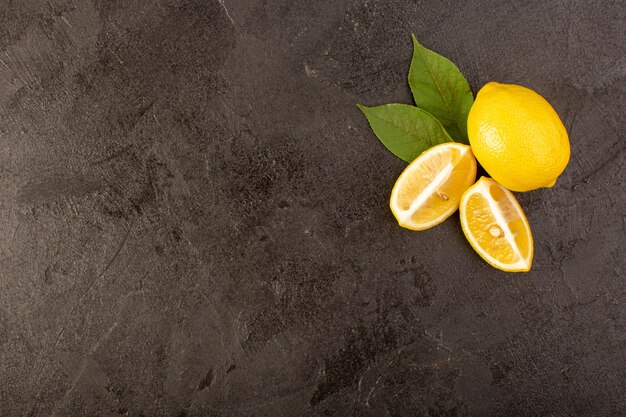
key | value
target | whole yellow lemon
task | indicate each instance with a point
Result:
(517, 137)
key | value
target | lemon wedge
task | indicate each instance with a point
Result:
(496, 226)
(429, 190)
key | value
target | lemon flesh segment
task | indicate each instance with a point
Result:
(496, 226)
(429, 190)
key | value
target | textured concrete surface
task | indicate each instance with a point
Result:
(194, 220)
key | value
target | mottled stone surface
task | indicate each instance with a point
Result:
(194, 219)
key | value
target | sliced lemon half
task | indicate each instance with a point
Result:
(429, 190)
(496, 226)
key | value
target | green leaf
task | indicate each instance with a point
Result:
(439, 88)
(405, 130)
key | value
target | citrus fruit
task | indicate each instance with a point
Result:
(429, 190)
(517, 137)
(496, 226)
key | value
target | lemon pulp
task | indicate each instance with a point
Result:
(496, 226)
(430, 188)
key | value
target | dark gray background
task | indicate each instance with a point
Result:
(194, 219)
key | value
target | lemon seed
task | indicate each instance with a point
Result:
(443, 196)
(495, 231)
